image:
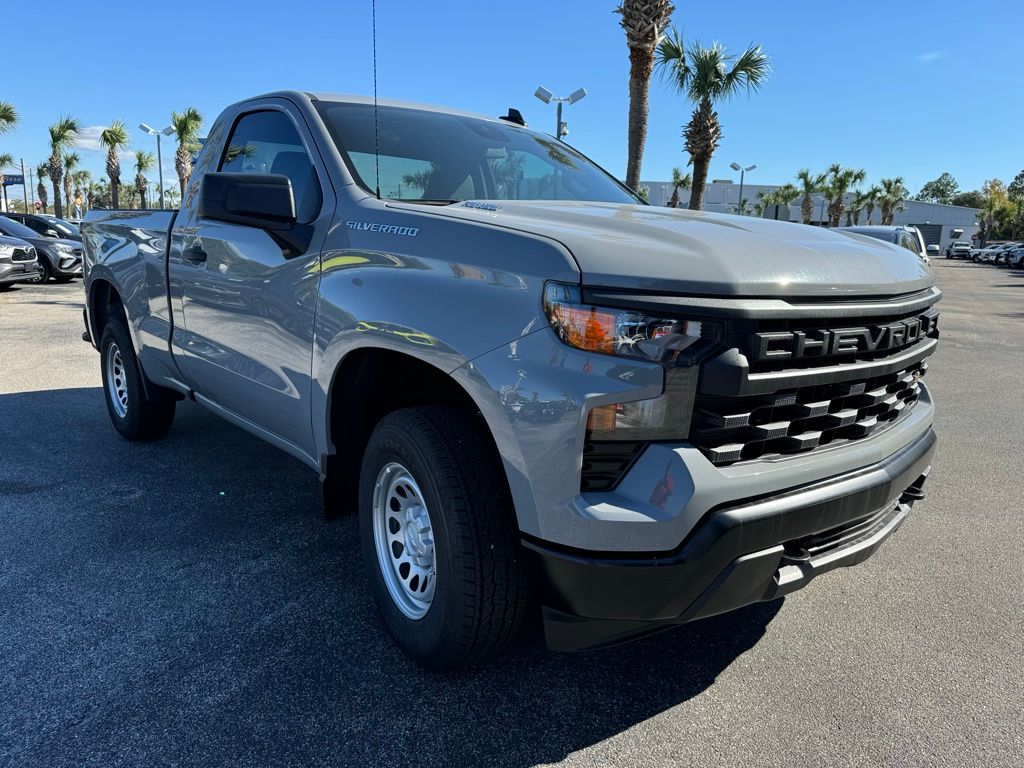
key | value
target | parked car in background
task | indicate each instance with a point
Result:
(47, 226)
(903, 236)
(993, 254)
(1002, 256)
(59, 258)
(960, 249)
(17, 261)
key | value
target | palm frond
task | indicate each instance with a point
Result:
(115, 136)
(750, 71)
(63, 133)
(8, 116)
(670, 59)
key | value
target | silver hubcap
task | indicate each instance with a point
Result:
(117, 385)
(404, 540)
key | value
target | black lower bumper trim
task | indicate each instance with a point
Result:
(740, 554)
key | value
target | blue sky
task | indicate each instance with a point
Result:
(909, 88)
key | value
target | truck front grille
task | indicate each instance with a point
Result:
(729, 429)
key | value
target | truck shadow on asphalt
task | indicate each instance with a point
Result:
(185, 601)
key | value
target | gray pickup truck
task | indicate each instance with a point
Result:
(535, 389)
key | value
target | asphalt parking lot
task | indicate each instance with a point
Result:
(185, 603)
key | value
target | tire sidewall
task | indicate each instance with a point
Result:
(115, 333)
(424, 638)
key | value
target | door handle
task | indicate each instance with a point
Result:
(195, 254)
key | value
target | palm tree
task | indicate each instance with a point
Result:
(5, 160)
(706, 75)
(70, 164)
(786, 195)
(894, 195)
(871, 198)
(810, 184)
(8, 117)
(679, 181)
(41, 173)
(82, 179)
(144, 161)
(859, 202)
(644, 22)
(838, 182)
(115, 139)
(186, 129)
(62, 135)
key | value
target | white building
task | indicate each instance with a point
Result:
(936, 221)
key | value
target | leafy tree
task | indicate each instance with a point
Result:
(971, 199)
(144, 161)
(809, 185)
(186, 129)
(679, 181)
(62, 135)
(940, 190)
(893, 198)
(644, 23)
(115, 139)
(707, 75)
(1015, 192)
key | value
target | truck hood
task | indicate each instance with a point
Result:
(695, 252)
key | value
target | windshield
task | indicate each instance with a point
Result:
(64, 227)
(440, 157)
(12, 228)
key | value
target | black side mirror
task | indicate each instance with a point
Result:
(262, 200)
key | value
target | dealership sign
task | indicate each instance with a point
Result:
(13, 180)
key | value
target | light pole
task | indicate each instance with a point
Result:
(159, 159)
(738, 167)
(542, 93)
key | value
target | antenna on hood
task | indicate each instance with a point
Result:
(376, 130)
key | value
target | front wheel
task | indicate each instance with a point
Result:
(44, 273)
(137, 412)
(439, 537)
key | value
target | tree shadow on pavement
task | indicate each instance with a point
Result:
(185, 602)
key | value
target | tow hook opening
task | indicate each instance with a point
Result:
(915, 491)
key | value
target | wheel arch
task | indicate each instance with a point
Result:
(367, 384)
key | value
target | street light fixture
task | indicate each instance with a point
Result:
(159, 158)
(742, 170)
(542, 93)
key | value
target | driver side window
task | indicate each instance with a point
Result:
(267, 142)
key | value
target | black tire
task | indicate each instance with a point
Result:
(481, 587)
(63, 279)
(47, 272)
(150, 411)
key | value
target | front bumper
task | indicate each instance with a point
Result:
(738, 554)
(18, 271)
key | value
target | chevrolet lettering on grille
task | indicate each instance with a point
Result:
(793, 345)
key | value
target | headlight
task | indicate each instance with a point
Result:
(6, 251)
(67, 250)
(679, 343)
(624, 332)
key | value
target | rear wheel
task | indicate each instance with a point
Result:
(439, 537)
(137, 412)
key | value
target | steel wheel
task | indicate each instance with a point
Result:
(404, 540)
(117, 383)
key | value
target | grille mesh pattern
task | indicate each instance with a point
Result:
(20, 254)
(729, 429)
